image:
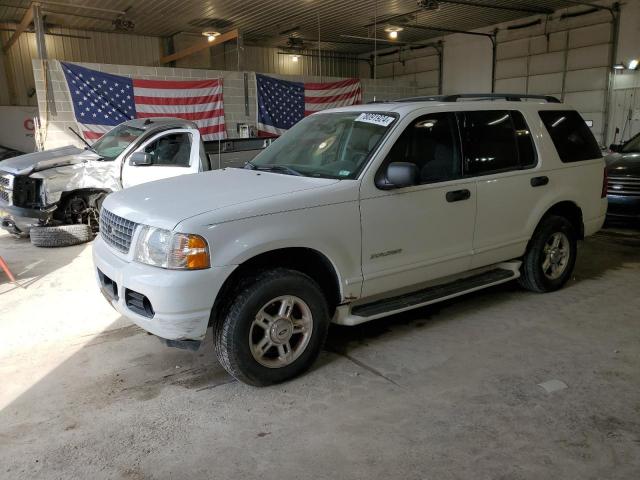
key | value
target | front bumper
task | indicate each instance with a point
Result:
(181, 300)
(18, 220)
(623, 206)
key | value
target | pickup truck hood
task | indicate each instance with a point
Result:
(34, 162)
(623, 164)
(165, 203)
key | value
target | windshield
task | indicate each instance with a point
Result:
(114, 142)
(632, 145)
(326, 145)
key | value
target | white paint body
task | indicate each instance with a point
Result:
(243, 213)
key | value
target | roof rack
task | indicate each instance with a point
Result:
(511, 97)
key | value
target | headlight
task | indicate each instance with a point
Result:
(175, 251)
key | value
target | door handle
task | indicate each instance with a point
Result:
(458, 195)
(539, 181)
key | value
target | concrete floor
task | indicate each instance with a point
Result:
(444, 392)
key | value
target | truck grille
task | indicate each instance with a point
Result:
(6, 187)
(624, 186)
(116, 231)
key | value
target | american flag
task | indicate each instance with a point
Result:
(281, 103)
(102, 100)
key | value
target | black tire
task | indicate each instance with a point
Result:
(532, 276)
(232, 329)
(61, 235)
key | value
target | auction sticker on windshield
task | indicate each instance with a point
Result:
(375, 118)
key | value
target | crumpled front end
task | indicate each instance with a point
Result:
(30, 200)
(20, 207)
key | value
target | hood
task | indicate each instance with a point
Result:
(623, 164)
(165, 203)
(33, 162)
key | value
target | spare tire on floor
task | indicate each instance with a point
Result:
(61, 235)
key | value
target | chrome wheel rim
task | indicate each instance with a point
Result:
(280, 331)
(557, 251)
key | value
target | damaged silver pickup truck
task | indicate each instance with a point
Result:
(55, 195)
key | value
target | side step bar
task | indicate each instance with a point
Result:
(399, 303)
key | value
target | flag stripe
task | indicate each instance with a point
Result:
(330, 99)
(174, 109)
(90, 135)
(324, 86)
(183, 115)
(330, 92)
(151, 100)
(176, 93)
(175, 85)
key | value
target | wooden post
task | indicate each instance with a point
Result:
(203, 45)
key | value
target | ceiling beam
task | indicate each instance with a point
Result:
(589, 4)
(203, 45)
(447, 30)
(514, 8)
(27, 19)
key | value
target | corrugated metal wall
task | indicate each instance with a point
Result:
(97, 47)
(270, 60)
(266, 59)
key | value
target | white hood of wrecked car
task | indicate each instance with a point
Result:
(57, 157)
(216, 196)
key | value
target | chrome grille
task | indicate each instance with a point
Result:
(116, 231)
(624, 186)
(6, 187)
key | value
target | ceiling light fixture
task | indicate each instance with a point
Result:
(295, 58)
(618, 66)
(211, 36)
(633, 64)
(393, 31)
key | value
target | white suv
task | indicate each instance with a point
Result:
(354, 214)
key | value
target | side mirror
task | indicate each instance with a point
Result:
(615, 147)
(399, 175)
(140, 159)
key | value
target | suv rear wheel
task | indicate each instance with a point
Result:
(273, 328)
(551, 256)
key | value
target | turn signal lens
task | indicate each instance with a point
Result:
(188, 252)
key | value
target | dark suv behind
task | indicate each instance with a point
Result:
(623, 190)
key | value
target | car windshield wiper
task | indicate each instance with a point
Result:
(88, 145)
(274, 168)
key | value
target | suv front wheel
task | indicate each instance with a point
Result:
(273, 328)
(551, 255)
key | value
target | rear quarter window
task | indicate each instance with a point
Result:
(570, 135)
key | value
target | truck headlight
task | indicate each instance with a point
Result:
(175, 251)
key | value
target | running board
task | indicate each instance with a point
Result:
(388, 306)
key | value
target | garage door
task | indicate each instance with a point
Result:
(568, 59)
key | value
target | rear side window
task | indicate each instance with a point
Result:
(495, 141)
(571, 135)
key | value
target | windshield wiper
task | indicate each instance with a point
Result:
(274, 168)
(84, 141)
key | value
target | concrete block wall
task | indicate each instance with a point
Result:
(56, 126)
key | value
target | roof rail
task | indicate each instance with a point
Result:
(511, 97)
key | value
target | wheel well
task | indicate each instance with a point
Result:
(305, 260)
(571, 212)
(82, 191)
